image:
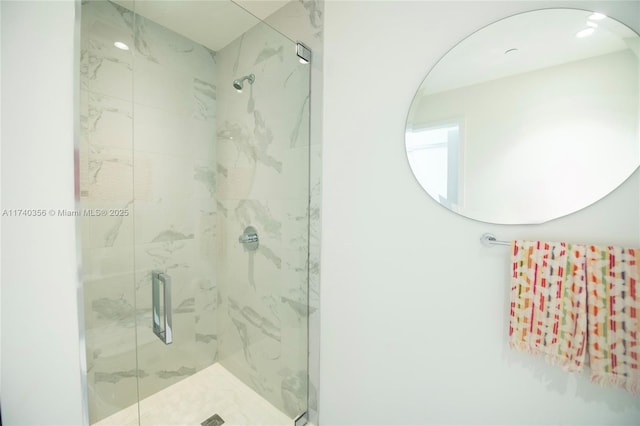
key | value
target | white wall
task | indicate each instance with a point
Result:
(41, 381)
(414, 309)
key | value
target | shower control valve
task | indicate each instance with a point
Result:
(249, 238)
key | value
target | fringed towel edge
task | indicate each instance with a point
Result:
(631, 384)
(569, 365)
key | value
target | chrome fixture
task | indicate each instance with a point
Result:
(249, 238)
(490, 240)
(304, 53)
(162, 330)
(301, 420)
(238, 84)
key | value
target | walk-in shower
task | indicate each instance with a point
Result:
(195, 278)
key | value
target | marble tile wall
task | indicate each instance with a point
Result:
(263, 181)
(169, 86)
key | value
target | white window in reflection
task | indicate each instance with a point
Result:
(434, 153)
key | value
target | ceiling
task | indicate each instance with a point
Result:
(212, 23)
(524, 43)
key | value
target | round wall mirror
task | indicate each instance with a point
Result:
(529, 119)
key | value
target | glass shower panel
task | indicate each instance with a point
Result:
(105, 169)
(263, 181)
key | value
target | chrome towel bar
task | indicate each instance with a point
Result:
(490, 240)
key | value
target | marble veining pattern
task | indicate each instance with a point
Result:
(255, 211)
(205, 97)
(270, 52)
(116, 376)
(303, 118)
(238, 52)
(243, 140)
(114, 231)
(315, 10)
(250, 316)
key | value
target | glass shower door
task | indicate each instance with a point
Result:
(175, 208)
(209, 161)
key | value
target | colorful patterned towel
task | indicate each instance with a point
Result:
(613, 309)
(548, 301)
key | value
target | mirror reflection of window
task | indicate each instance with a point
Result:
(434, 151)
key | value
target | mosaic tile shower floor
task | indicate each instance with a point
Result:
(193, 400)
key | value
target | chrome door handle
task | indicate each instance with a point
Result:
(162, 329)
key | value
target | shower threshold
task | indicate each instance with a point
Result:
(195, 399)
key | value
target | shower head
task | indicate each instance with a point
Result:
(237, 84)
